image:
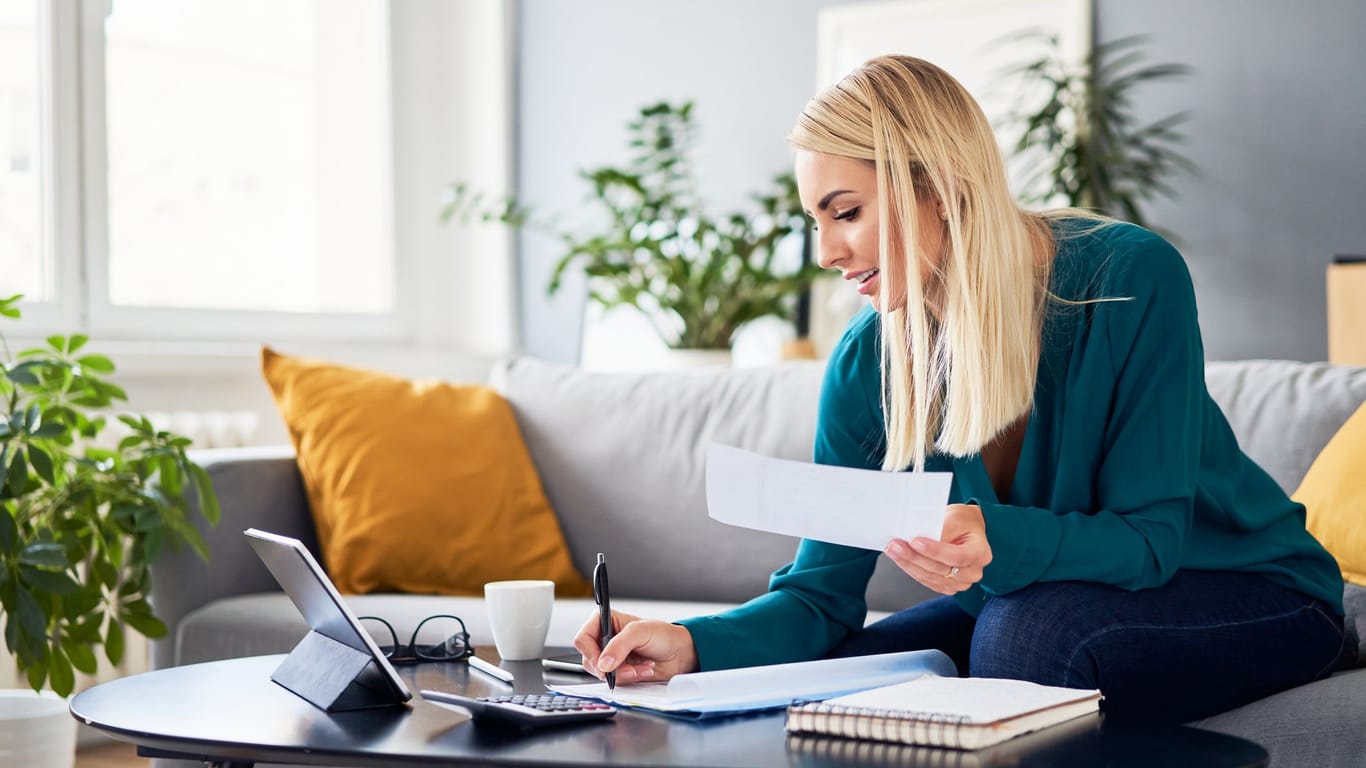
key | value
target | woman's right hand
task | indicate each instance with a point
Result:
(641, 650)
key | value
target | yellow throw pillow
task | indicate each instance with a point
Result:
(417, 486)
(1334, 496)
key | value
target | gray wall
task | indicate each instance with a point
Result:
(1279, 133)
(1278, 96)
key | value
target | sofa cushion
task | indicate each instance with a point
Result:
(649, 513)
(420, 487)
(1284, 413)
(252, 625)
(1334, 497)
(1317, 725)
(211, 633)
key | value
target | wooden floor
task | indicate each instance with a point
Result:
(112, 755)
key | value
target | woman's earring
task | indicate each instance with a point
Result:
(944, 214)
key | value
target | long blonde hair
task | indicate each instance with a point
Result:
(954, 378)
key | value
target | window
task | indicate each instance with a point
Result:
(255, 170)
(247, 153)
(25, 267)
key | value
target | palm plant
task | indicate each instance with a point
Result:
(1080, 138)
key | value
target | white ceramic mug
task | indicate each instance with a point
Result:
(519, 615)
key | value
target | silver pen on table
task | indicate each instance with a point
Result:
(492, 670)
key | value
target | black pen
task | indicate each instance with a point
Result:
(604, 601)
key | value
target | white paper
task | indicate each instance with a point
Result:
(972, 699)
(856, 507)
(774, 685)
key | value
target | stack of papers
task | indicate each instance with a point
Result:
(730, 691)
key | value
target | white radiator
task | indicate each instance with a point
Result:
(208, 429)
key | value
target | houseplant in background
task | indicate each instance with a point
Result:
(1080, 141)
(698, 277)
(80, 523)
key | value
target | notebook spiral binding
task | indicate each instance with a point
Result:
(815, 750)
(927, 728)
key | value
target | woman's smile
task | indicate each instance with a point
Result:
(866, 281)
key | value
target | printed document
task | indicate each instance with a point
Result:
(856, 507)
(726, 691)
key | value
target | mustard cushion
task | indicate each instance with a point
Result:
(1334, 495)
(417, 486)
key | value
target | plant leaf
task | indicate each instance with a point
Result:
(42, 462)
(44, 553)
(208, 499)
(147, 624)
(106, 572)
(36, 674)
(18, 472)
(7, 307)
(113, 641)
(24, 373)
(96, 363)
(59, 672)
(88, 630)
(49, 430)
(32, 618)
(195, 540)
(82, 658)
(9, 535)
(56, 582)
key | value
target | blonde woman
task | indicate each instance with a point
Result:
(1106, 531)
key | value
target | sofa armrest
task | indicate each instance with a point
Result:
(256, 487)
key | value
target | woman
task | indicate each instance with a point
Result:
(1105, 530)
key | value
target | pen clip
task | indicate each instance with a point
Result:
(600, 579)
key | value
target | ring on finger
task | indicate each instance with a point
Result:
(953, 572)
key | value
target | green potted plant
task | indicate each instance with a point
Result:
(79, 523)
(698, 277)
(1080, 140)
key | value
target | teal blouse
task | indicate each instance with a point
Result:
(1129, 471)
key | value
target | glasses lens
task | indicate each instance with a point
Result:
(441, 638)
(382, 633)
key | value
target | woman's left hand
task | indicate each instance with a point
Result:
(953, 563)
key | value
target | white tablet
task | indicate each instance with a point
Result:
(313, 593)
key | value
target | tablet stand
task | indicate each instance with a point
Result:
(327, 674)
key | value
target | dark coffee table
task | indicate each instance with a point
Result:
(229, 713)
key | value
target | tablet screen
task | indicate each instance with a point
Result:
(318, 600)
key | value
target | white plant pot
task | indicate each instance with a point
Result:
(680, 359)
(36, 730)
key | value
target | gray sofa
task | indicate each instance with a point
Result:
(621, 459)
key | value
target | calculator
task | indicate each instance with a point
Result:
(527, 709)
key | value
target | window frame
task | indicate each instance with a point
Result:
(59, 169)
(437, 290)
(213, 324)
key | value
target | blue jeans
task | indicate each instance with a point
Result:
(1201, 644)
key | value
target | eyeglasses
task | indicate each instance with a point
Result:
(454, 646)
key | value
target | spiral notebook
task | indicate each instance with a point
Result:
(960, 713)
(1056, 743)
